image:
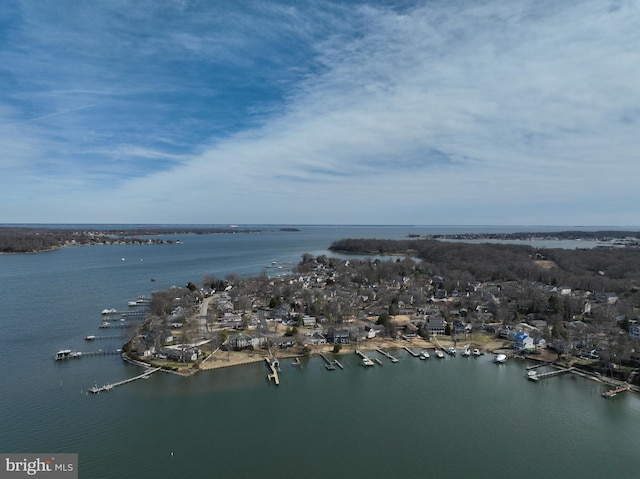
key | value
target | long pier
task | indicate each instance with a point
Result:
(533, 376)
(384, 353)
(68, 354)
(109, 387)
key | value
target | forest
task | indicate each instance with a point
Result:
(595, 269)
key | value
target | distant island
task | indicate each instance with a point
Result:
(35, 240)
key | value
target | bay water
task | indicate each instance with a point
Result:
(458, 417)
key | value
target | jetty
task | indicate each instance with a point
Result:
(384, 353)
(412, 352)
(109, 387)
(68, 354)
(272, 364)
(614, 392)
(539, 365)
(337, 363)
(534, 376)
(329, 364)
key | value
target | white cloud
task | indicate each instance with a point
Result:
(494, 112)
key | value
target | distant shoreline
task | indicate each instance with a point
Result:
(19, 240)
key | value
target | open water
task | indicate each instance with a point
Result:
(458, 417)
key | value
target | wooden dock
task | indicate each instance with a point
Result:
(535, 377)
(274, 371)
(539, 365)
(337, 363)
(109, 387)
(412, 352)
(329, 364)
(79, 354)
(614, 392)
(384, 353)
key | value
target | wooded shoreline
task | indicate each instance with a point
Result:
(40, 239)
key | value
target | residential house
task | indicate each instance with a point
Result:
(523, 342)
(435, 325)
(338, 336)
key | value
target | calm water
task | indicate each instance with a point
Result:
(459, 417)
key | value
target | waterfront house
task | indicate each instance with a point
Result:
(338, 336)
(435, 325)
(317, 338)
(523, 342)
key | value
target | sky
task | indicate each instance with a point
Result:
(449, 112)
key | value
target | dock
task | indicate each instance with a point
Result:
(539, 365)
(533, 376)
(329, 364)
(337, 363)
(614, 392)
(412, 352)
(384, 353)
(274, 371)
(377, 360)
(109, 387)
(68, 354)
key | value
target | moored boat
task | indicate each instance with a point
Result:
(476, 352)
(466, 352)
(451, 351)
(500, 358)
(367, 361)
(439, 354)
(424, 354)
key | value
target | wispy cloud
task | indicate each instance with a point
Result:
(425, 112)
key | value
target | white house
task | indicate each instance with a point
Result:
(523, 342)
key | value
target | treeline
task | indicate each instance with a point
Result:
(605, 235)
(585, 269)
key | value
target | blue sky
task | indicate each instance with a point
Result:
(372, 112)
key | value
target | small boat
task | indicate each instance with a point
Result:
(105, 324)
(476, 352)
(367, 361)
(424, 354)
(63, 354)
(109, 311)
(91, 337)
(439, 354)
(466, 352)
(500, 358)
(532, 376)
(451, 351)
(132, 303)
